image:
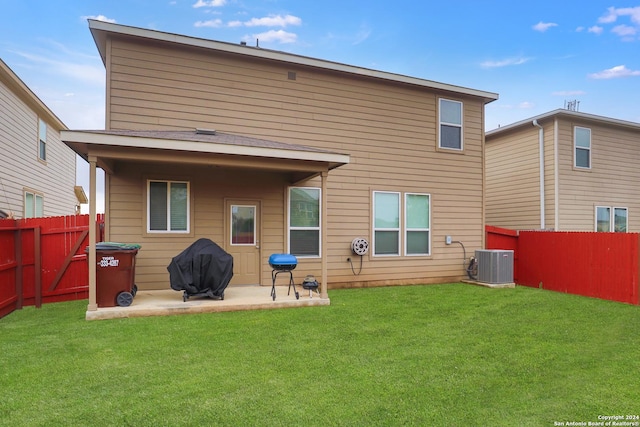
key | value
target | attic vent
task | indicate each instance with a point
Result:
(205, 131)
(291, 75)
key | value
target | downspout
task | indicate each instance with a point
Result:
(541, 149)
(556, 183)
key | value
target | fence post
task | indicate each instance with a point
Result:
(37, 265)
(19, 272)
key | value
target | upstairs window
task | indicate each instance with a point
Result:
(167, 206)
(42, 140)
(33, 205)
(582, 147)
(304, 221)
(450, 120)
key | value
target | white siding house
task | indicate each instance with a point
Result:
(37, 171)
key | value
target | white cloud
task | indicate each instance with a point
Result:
(279, 36)
(544, 26)
(274, 21)
(213, 23)
(595, 29)
(614, 73)
(504, 63)
(569, 93)
(83, 72)
(526, 105)
(100, 18)
(609, 17)
(613, 14)
(624, 30)
(210, 3)
(362, 35)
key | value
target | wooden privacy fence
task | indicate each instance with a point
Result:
(44, 260)
(599, 265)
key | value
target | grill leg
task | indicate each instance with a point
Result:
(274, 274)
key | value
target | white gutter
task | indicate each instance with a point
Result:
(541, 149)
(556, 183)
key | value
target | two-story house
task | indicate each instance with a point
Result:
(37, 170)
(566, 171)
(308, 154)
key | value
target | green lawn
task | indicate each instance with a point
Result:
(442, 355)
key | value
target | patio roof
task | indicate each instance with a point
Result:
(200, 146)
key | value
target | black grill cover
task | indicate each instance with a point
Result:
(202, 268)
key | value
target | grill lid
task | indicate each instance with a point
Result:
(283, 261)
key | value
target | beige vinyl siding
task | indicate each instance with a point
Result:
(611, 181)
(389, 129)
(513, 180)
(21, 168)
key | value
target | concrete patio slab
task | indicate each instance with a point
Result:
(236, 298)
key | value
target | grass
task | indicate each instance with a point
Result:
(442, 355)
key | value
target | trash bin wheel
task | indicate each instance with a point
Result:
(134, 290)
(124, 299)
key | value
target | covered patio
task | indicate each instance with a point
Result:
(111, 150)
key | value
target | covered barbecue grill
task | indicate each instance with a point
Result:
(283, 263)
(203, 269)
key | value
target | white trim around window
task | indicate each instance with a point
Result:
(611, 219)
(401, 224)
(450, 125)
(33, 204)
(581, 147)
(168, 206)
(304, 237)
(42, 140)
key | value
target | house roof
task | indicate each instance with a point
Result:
(17, 86)
(564, 113)
(207, 146)
(100, 31)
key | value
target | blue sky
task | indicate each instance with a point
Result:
(535, 55)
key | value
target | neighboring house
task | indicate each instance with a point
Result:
(306, 154)
(564, 171)
(37, 170)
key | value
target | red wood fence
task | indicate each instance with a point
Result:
(44, 260)
(600, 265)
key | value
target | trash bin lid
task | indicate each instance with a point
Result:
(115, 246)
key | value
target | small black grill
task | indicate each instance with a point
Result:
(283, 263)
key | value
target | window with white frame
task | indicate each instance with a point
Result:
(386, 223)
(611, 219)
(42, 140)
(33, 205)
(167, 206)
(450, 120)
(582, 147)
(417, 224)
(304, 221)
(404, 226)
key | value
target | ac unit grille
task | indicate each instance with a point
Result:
(495, 266)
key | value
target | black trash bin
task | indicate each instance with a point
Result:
(115, 273)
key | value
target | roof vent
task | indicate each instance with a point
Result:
(205, 131)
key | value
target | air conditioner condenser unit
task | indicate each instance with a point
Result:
(495, 266)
